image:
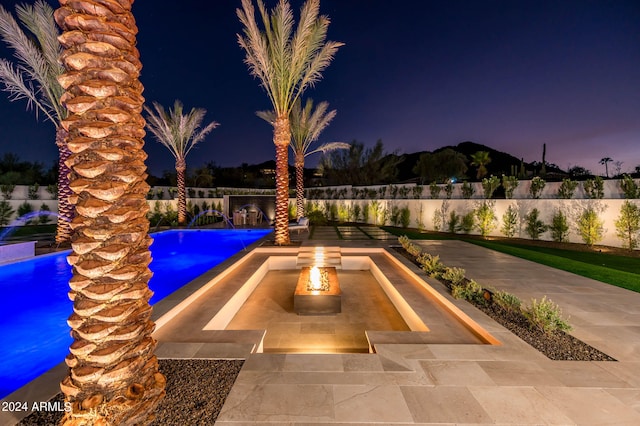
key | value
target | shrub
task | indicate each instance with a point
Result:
(509, 183)
(594, 188)
(33, 192)
(159, 193)
(170, 215)
(417, 191)
(375, 208)
(486, 218)
(454, 222)
(467, 190)
(434, 190)
(431, 265)
(559, 227)
(489, 186)
(419, 221)
(317, 217)
(53, 191)
(535, 227)
(44, 216)
(507, 301)
(395, 215)
(453, 275)
(437, 220)
(510, 222)
(537, 185)
(404, 241)
(471, 291)
(629, 187)
(413, 249)
(7, 191)
(5, 212)
(24, 209)
(365, 214)
(405, 217)
(404, 192)
(448, 190)
(546, 316)
(567, 188)
(590, 226)
(628, 225)
(468, 222)
(356, 212)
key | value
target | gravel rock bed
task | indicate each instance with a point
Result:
(196, 390)
(557, 345)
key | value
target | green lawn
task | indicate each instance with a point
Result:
(621, 271)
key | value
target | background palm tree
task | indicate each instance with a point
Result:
(480, 159)
(35, 78)
(286, 63)
(179, 133)
(306, 126)
(113, 374)
(606, 161)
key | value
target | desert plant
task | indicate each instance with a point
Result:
(594, 188)
(430, 264)
(470, 290)
(467, 190)
(507, 301)
(559, 227)
(536, 187)
(486, 218)
(590, 226)
(434, 190)
(509, 183)
(32, 193)
(448, 190)
(546, 316)
(454, 275)
(453, 223)
(468, 222)
(628, 225)
(405, 217)
(629, 187)
(413, 249)
(535, 227)
(489, 186)
(404, 241)
(510, 222)
(5, 212)
(567, 188)
(7, 191)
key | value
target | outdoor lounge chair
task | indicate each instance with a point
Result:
(301, 225)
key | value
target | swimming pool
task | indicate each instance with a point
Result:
(34, 307)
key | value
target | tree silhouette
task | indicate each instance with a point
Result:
(606, 161)
(480, 159)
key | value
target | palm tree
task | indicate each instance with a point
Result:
(34, 78)
(480, 159)
(606, 161)
(179, 133)
(286, 63)
(113, 374)
(306, 126)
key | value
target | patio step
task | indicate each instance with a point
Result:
(319, 256)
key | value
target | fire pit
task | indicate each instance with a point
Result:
(318, 292)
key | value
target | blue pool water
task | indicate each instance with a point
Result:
(34, 306)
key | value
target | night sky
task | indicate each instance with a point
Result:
(419, 75)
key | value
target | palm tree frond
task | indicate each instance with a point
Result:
(268, 116)
(14, 84)
(331, 146)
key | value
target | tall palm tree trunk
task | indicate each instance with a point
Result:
(281, 139)
(181, 167)
(65, 208)
(299, 185)
(113, 374)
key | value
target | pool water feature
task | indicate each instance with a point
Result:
(34, 335)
